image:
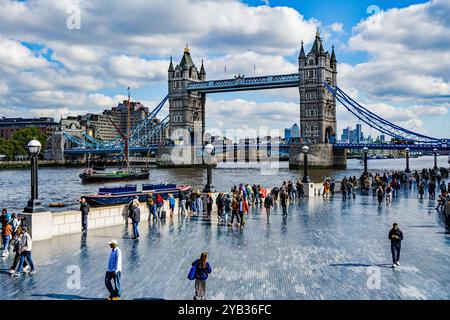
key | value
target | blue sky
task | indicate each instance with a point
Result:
(394, 60)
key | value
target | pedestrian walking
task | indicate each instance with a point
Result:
(17, 248)
(209, 204)
(421, 190)
(388, 191)
(396, 237)
(114, 271)
(242, 203)
(227, 207)
(15, 223)
(235, 210)
(380, 192)
(198, 202)
(220, 203)
(202, 270)
(171, 204)
(7, 231)
(344, 189)
(268, 204)
(284, 199)
(181, 202)
(151, 205)
(26, 245)
(135, 216)
(159, 206)
(84, 208)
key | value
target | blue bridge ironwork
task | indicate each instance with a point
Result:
(242, 83)
(140, 139)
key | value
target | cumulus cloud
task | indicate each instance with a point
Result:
(129, 45)
(409, 56)
(244, 117)
(337, 27)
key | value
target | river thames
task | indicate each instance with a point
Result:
(64, 185)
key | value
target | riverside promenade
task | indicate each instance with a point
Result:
(323, 249)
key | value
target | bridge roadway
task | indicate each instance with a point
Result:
(323, 249)
(243, 83)
(283, 149)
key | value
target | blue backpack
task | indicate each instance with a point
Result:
(191, 274)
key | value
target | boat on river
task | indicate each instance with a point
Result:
(109, 196)
(91, 175)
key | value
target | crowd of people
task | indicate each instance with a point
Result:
(387, 186)
(232, 210)
(16, 236)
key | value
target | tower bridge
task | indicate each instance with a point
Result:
(319, 92)
(317, 105)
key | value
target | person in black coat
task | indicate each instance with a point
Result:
(396, 237)
(84, 208)
(135, 216)
(284, 199)
(268, 204)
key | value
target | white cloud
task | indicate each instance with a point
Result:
(129, 45)
(245, 115)
(13, 54)
(337, 27)
(409, 54)
(134, 67)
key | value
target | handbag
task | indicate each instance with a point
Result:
(191, 274)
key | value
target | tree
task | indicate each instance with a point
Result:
(7, 148)
(21, 138)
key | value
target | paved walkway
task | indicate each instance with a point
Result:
(324, 249)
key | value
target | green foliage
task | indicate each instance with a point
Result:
(17, 145)
(7, 148)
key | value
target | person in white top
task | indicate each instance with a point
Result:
(114, 271)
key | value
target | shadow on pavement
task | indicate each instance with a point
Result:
(382, 265)
(64, 296)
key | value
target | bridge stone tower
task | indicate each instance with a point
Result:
(317, 108)
(186, 109)
(187, 113)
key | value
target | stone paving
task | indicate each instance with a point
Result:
(323, 249)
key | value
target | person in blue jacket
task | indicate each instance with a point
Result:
(201, 274)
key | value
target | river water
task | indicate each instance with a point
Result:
(64, 185)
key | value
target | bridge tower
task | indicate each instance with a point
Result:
(186, 109)
(317, 108)
(317, 104)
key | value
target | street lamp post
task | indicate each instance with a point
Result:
(305, 150)
(365, 150)
(34, 204)
(209, 150)
(407, 170)
(435, 159)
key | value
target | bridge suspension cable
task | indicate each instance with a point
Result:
(375, 121)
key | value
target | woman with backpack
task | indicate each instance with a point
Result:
(199, 271)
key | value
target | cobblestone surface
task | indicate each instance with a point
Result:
(323, 249)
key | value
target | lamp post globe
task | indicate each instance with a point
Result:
(34, 204)
(34, 147)
(305, 150)
(209, 148)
